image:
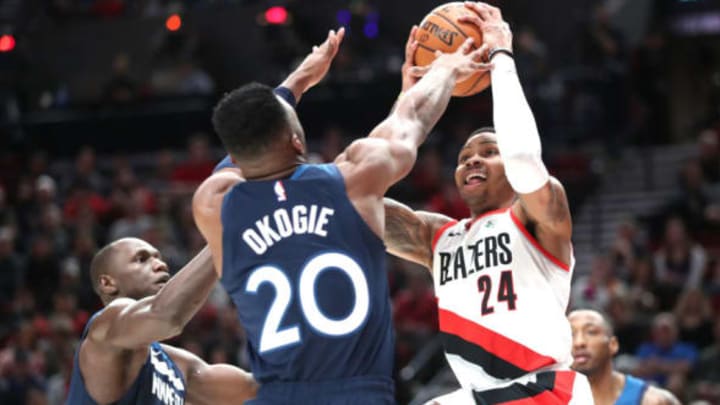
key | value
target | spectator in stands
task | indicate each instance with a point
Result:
(51, 225)
(706, 375)
(199, 163)
(121, 87)
(86, 172)
(595, 290)
(126, 186)
(628, 246)
(20, 385)
(81, 199)
(695, 318)
(76, 267)
(709, 155)
(641, 286)
(692, 202)
(132, 223)
(665, 360)
(11, 276)
(42, 272)
(680, 262)
(162, 177)
(630, 328)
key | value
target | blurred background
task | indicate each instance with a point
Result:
(105, 133)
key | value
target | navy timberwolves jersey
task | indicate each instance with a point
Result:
(308, 277)
(159, 381)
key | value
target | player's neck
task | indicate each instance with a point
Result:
(483, 209)
(271, 170)
(607, 385)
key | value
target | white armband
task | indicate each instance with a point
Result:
(517, 135)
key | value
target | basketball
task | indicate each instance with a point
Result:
(441, 31)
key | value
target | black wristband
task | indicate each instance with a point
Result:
(286, 95)
(496, 51)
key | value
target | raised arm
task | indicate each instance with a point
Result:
(309, 73)
(128, 324)
(409, 234)
(542, 199)
(371, 165)
(217, 384)
(315, 65)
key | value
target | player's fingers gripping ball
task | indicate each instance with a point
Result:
(440, 30)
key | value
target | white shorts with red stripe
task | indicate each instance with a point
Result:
(544, 388)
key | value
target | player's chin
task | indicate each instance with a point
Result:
(156, 287)
(582, 369)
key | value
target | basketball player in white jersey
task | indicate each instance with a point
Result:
(502, 277)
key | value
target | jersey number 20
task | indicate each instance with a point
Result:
(272, 336)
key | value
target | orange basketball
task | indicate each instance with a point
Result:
(440, 30)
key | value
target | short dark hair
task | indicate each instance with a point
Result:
(481, 130)
(100, 265)
(249, 118)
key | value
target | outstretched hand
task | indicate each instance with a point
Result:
(315, 65)
(408, 79)
(465, 61)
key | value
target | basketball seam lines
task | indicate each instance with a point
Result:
(452, 23)
(427, 48)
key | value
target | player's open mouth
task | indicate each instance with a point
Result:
(581, 358)
(475, 178)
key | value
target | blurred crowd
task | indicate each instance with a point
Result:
(659, 283)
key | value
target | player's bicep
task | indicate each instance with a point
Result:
(382, 159)
(128, 324)
(409, 233)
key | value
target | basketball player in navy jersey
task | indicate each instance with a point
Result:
(299, 246)
(119, 360)
(594, 345)
(502, 277)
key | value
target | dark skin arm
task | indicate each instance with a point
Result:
(217, 384)
(117, 342)
(409, 233)
(371, 165)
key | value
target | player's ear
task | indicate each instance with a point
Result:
(107, 285)
(298, 143)
(614, 345)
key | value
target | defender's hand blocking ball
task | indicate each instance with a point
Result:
(441, 30)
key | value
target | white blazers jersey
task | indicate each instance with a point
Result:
(501, 301)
